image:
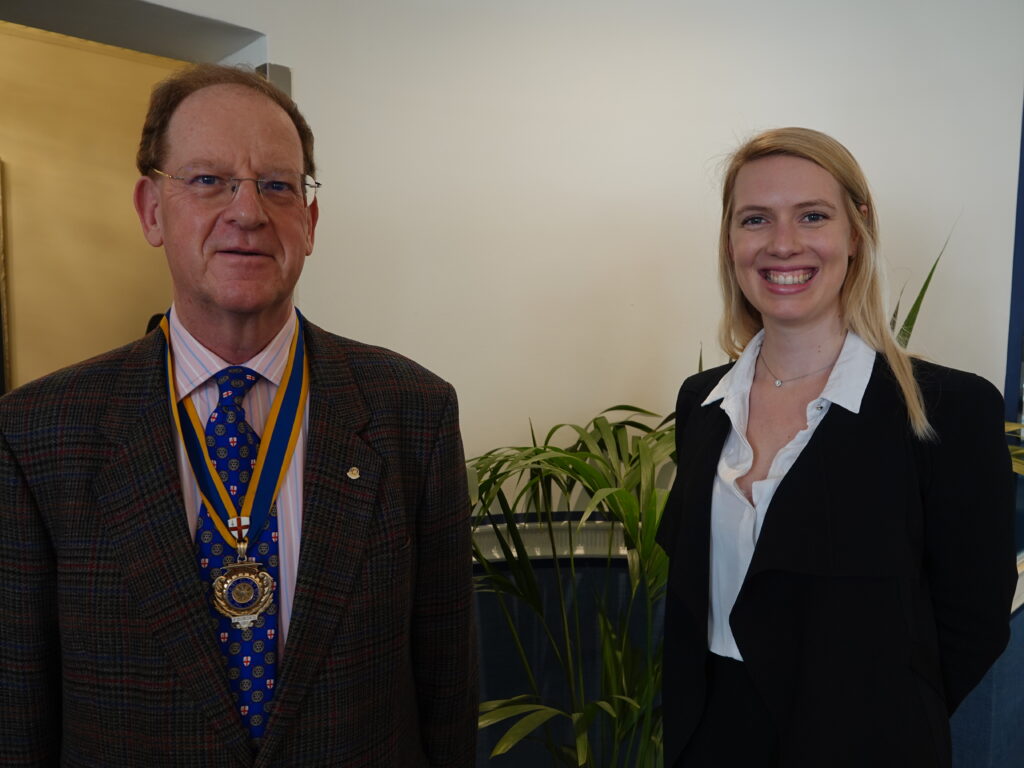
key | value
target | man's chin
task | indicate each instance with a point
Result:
(246, 302)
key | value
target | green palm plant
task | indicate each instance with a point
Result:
(616, 468)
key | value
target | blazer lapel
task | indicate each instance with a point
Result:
(709, 426)
(800, 524)
(795, 535)
(341, 482)
(140, 494)
(820, 508)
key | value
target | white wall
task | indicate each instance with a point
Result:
(523, 195)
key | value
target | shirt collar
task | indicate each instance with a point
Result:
(846, 383)
(850, 375)
(194, 364)
(737, 380)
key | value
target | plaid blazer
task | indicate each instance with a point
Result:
(107, 655)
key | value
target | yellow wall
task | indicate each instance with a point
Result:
(80, 277)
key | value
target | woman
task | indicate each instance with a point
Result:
(840, 530)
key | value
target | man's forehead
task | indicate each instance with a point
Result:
(229, 116)
(224, 91)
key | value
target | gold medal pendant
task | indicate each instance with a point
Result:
(243, 591)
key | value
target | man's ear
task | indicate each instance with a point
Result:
(147, 205)
(314, 215)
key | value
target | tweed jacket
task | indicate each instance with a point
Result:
(880, 587)
(107, 656)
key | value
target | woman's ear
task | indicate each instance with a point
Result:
(855, 235)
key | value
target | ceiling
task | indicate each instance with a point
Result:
(134, 24)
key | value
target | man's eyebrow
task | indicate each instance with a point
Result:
(200, 162)
(223, 168)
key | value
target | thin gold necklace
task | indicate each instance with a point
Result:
(779, 382)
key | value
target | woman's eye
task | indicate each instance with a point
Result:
(752, 221)
(814, 217)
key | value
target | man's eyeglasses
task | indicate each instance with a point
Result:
(285, 190)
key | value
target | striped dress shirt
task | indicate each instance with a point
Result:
(194, 367)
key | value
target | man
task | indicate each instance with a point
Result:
(240, 540)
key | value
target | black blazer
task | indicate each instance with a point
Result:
(880, 587)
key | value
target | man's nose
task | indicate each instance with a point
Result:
(247, 205)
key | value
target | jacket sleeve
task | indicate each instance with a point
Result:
(443, 622)
(970, 558)
(30, 721)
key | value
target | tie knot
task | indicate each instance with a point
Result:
(233, 383)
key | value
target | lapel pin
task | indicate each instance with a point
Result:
(353, 473)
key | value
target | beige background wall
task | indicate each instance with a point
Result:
(81, 279)
(523, 195)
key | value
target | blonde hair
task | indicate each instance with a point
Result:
(860, 297)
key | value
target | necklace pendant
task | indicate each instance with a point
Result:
(778, 382)
(243, 592)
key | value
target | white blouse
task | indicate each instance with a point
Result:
(735, 523)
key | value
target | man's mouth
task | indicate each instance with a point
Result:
(788, 277)
(241, 252)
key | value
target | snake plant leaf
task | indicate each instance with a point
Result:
(896, 309)
(903, 337)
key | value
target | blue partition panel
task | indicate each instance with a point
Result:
(988, 728)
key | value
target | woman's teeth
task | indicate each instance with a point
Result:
(797, 277)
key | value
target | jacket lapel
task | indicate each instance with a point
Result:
(140, 494)
(341, 483)
(800, 525)
(795, 535)
(709, 426)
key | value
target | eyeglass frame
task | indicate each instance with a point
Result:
(237, 181)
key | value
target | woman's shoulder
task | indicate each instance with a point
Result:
(702, 383)
(941, 384)
(956, 401)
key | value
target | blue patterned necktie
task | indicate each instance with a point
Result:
(250, 654)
